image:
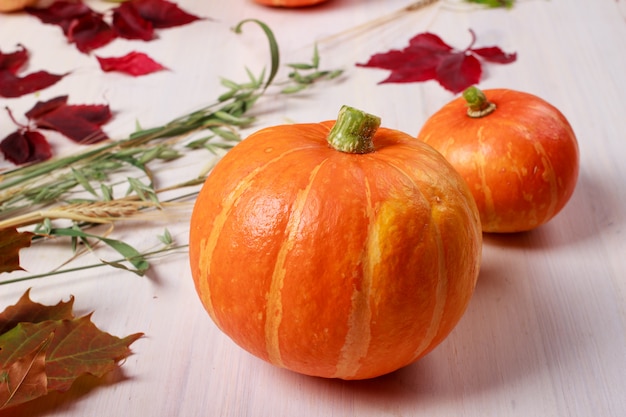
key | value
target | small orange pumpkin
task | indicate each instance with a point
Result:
(290, 3)
(517, 152)
(348, 260)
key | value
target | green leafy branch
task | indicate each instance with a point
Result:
(82, 187)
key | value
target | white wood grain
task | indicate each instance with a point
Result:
(545, 334)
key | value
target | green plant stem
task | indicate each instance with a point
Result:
(147, 255)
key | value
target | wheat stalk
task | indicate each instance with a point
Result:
(380, 21)
(100, 212)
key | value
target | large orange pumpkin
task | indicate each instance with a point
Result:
(517, 152)
(348, 260)
(290, 3)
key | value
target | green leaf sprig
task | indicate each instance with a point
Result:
(82, 187)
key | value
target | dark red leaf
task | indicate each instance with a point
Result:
(133, 63)
(60, 13)
(129, 24)
(12, 85)
(24, 146)
(389, 60)
(13, 61)
(458, 71)
(81, 25)
(428, 42)
(80, 123)
(42, 107)
(495, 54)
(428, 57)
(71, 123)
(162, 13)
(417, 62)
(97, 114)
(90, 32)
(413, 71)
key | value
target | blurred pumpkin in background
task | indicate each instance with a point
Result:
(7, 6)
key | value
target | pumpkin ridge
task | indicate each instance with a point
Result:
(490, 210)
(274, 310)
(442, 282)
(359, 322)
(548, 168)
(207, 245)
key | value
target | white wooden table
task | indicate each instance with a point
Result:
(544, 335)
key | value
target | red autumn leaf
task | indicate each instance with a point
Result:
(129, 24)
(69, 121)
(80, 123)
(458, 71)
(81, 25)
(495, 54)
(428, 57)
(60, 12)
(97, 114)
(11, 241)
(427, 44)
(14, 85)
(42, 107)
(25, 146)
(13, 61)
(90, 32)
(133, 63)
(162, 13)
(26, 310)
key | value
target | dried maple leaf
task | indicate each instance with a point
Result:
(12, 85)
(11, 241)
(133, 63)
(428, 57)
(50, 349)
(80, 123)
(25, 378)
(26, 310)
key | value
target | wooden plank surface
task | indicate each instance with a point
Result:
(544, 335)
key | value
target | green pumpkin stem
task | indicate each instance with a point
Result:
(353, 131)
(477, 103)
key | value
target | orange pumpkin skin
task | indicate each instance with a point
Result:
(290, 3)
(521, 161)
(334, 264)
